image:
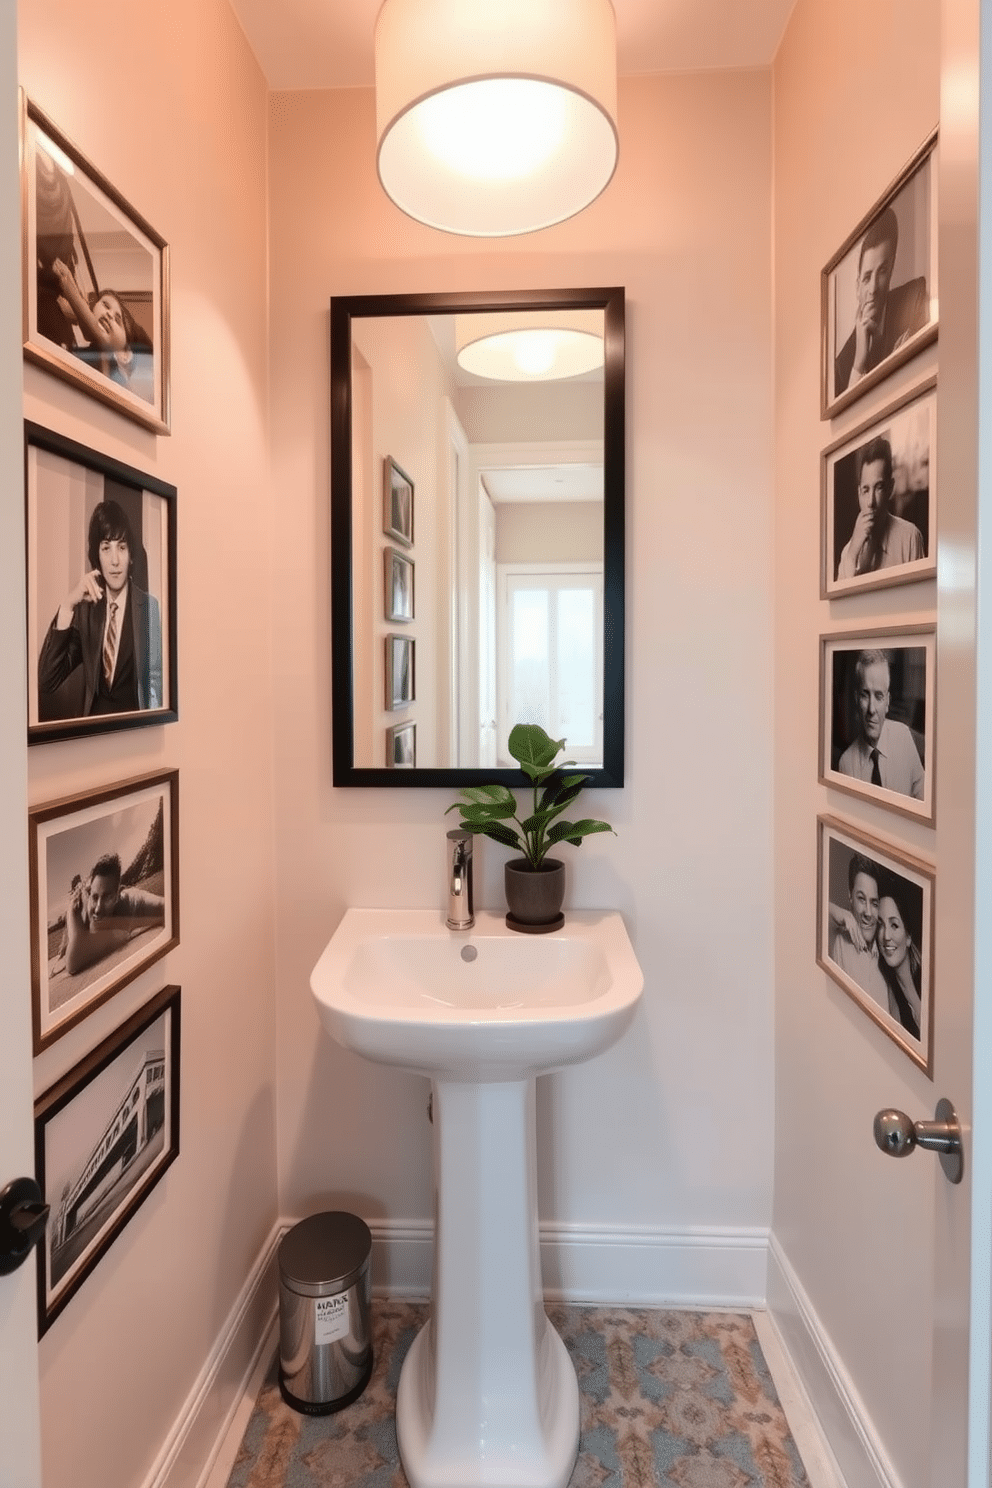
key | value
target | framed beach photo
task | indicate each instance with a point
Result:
(400, 678)
(874, 936)
(877, 715)
(401, 746)
(101, 592)
(104, 1136)
(397, 503)
(399, 585)
(96, 278)
(104, 894)
(879, 293)
(878, 490)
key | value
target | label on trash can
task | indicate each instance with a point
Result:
(330, 1318)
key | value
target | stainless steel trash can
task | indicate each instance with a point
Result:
(325, 1326)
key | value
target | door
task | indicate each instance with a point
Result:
(19, 1430)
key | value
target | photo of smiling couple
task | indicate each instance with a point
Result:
(876, 938)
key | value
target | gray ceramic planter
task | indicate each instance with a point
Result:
(534, 895)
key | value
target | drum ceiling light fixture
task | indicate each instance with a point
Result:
(495, 117)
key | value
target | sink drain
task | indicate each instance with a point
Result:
(469, 952)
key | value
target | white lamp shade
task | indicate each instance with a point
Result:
(533, 346)
(495, 117)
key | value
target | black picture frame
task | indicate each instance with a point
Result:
(907, 765)
(80, 239)
(81, 954)
(901, 880)
(908, 428)
(911, 298)
(105, 1135)
(67, 486)
(397, 503)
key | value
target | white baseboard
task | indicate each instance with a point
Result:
(833, 1398)
(188, 1452)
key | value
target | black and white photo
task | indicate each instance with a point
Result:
(879, 499)
(401, 746)
(400, 678)
(877, 715)
(398, 576)
(875, 922)
(104, 882)
(101, 592)
(96, 279)
(104, 1136)
(879, 292)
(397, 503)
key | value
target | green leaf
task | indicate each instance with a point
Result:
(532, 748)
(496, 811)
(504, 835)
(482, 794)
(573, 832)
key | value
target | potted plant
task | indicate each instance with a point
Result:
(535, 883)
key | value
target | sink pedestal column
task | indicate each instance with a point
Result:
(487, 1395)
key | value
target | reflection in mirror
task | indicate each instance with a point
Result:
(477, 514)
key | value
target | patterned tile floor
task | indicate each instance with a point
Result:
(668, 1398)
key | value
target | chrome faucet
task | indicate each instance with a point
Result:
(461, 915)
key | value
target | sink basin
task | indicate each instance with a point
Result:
(400, 988)
(487, 1394)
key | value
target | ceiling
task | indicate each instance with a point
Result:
(328, 43)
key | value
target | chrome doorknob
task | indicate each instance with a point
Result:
(896, 1134)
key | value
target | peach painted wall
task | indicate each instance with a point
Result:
(673, 1127)
(180, 130)
(856, 1230)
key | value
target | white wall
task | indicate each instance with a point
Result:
(856, 90)
(672, 1129)
(171, 107)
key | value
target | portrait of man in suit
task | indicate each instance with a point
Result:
(886, 315)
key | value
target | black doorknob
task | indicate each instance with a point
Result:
(23, 1216)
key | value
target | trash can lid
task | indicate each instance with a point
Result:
(326, 1252)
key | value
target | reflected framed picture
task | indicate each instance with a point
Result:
(401, 746)
(879, 292)
(400, 679)
(397, 503)
(878, 490)
(104, 1137)
(96, 278)
(101, 592)
(399, 585)
(875, 924)
(104, 895)
(877, 690)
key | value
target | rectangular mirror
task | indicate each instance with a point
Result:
(477, 532)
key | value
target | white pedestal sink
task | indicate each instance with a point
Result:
(487, 1395)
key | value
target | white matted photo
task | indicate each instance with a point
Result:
(875, 922)
(104, 881)
(878, 489)
(877, 715)
(879, 292)
(96, 279)
(104, 1136)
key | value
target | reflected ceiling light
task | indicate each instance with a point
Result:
(495, 117)
(530, 347)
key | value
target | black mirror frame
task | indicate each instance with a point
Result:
(345, 309)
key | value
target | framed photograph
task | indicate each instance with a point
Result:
(400, 679)
(104, 1136)
(104, 883)
(397, 503)
(401, 746)
(874, 933)
(96, 279)
(877, 715)
(878, 490)
(101, 592)
(879, 294)
(399, 585)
